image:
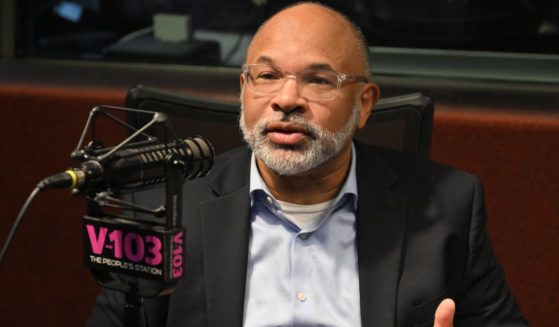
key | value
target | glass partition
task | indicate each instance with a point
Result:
(216, 32)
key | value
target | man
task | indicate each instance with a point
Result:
(311, 229)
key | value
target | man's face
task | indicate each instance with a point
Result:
(308, 146)
(288, 132)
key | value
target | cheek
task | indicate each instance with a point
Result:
(334, 117)
(325, 118)
(252, 111)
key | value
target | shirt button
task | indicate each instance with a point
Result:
(304, 236)
(301, 297)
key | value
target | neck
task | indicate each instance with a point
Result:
(320, 184)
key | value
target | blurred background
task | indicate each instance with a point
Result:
(490, 66)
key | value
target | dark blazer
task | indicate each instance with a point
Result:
(420, 239)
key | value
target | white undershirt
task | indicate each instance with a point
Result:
(304, 215)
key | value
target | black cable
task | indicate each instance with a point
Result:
(17, 221)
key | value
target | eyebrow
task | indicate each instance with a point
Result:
(265, 60)
(320, 66)
(317, 66)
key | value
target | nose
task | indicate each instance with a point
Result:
(289, 98)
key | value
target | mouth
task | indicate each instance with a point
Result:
(286, 133)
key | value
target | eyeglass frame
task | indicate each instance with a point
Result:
(340, 76)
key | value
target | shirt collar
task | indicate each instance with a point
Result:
(349, 189)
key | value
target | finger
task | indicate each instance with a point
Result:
(444, 316)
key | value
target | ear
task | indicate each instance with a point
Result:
(368, 98)
(242, 80)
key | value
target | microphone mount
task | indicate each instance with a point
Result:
(141, 258)
(138, 257)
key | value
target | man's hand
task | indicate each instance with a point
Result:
(444, 315)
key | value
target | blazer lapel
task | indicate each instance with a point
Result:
(225, 237)
(380, 238)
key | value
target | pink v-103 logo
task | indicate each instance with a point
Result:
(130, 245)
(178, 244)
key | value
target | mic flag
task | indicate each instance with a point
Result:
(137, 249)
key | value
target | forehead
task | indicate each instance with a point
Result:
(306, 36)
(314, 65)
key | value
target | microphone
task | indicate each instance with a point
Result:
(137, 167)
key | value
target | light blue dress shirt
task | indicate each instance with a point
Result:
(302, 277)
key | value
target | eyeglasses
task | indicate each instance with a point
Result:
(312, 84)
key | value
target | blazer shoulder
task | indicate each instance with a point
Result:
(230, 170)
(416, 175)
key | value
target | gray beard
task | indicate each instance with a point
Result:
(289, 160)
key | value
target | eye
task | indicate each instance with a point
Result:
(320, 79)
(267, 75)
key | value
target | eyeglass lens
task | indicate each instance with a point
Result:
(311, 83)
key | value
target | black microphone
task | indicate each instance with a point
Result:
(133, 168)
